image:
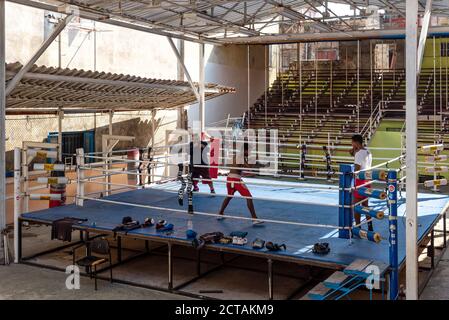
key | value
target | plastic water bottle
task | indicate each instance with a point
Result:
(190, 225)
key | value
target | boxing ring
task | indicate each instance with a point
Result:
(310, 219)
(295, 213)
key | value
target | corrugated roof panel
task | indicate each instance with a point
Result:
(53, 88)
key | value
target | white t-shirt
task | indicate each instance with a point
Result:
(363, 158)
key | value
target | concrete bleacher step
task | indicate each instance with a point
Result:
(336, 281)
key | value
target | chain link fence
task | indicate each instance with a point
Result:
(138, 124)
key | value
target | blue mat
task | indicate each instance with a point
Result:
(298, 239)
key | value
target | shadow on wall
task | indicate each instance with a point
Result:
(136, 127)
(228, 65)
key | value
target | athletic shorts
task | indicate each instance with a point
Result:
(236, 184)
(359, 182)
(201, 173)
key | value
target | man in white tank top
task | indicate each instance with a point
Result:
(362, 160)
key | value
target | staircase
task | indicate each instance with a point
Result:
(341, 284)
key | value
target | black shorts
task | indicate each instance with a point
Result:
(201, 172)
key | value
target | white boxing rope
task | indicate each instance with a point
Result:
(42, 153)
(380, 164)
(122, 160)
(432, 148)
(52, 196)
(270, 184)
(53, 180)
(145, 149)
(317, 146)
(435, 158)
(217, 215)
(49, 167)
(266, 199)
(435, 183)
(365, 184)
(115, 171)
(135, 186)
(264, 170)
(313, 164)
(436, 169)
(102, 191)
(102, 176)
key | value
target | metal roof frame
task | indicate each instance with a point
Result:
(219, 21)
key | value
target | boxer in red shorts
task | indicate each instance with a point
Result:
(362, 160)
(234, 183)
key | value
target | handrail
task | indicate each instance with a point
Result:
(367, 129)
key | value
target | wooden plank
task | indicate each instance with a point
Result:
(383, 267)
(357, 266)
(318, 292)
(335, 280)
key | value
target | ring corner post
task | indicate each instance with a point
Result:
(17, 203)
(345, 200)
(80, 177)
(393, 234)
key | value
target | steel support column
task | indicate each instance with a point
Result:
(423, 35)
(202, 104)
(181, 77)
(181, 65)
(248, 86)
(2, 122)
(411, 150)
(60, 117)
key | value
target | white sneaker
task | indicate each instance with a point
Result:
(221, 218)
(257, 222)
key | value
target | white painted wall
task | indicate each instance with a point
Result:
(228, 65)
(117, 50)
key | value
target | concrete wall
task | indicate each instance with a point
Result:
(348, 55)
(228, 65)
(36, 128)
(428, 59)
(88, 45)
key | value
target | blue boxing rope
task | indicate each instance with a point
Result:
(345, 218)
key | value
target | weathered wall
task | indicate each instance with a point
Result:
(36, 128)
(228, 65)
(90, 46)
(348, 55)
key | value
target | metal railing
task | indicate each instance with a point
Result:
(373, 121)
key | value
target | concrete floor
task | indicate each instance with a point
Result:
(438, 286)
(28, 282)
(31, 283)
